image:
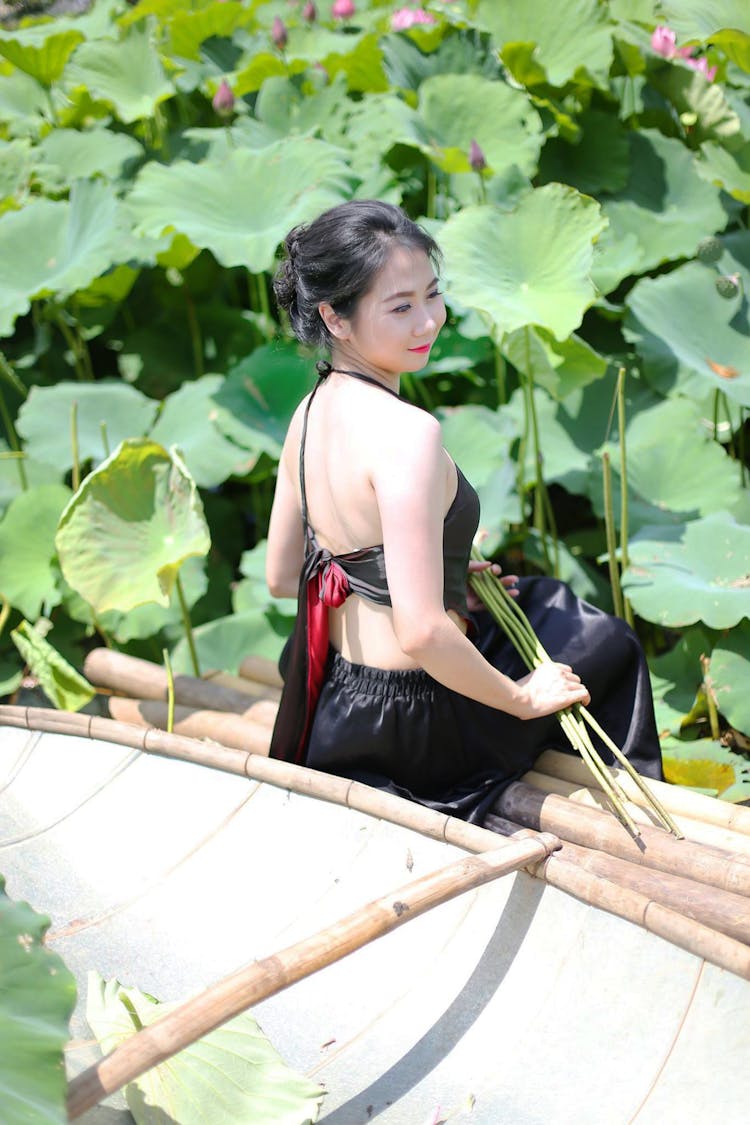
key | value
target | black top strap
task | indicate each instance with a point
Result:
(324, 370)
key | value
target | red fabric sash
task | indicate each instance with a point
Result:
(329, 587)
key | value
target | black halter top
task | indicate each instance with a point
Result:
(326, 580)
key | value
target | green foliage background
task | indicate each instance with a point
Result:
(139, 230)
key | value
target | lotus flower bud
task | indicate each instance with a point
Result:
(476, 157)
(278, 33)
(223, 99)
(663, 41)
(342, 9)
(728, 285)
(709, 250)
(309, 12)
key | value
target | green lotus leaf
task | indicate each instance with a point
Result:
(707, 767)
(14, 479)
(690, 93)
(690, 337)
(455, 109)
(561, 367)
(499, 505)
(362, 66)
(16, 161)
(225, 642)
(75, 155)
(37, 997)
(565, 460)
(735, 45)
(572, 41)
(453, 353)
(730, 674)
(585, 582)
(676, 678)
(60, 682)
(664, 202)
(252, 592)
(189, 420)
(729, 169)
(22, 101)
(695, 19)
(125, 73)
(150, 620)
(527, 266)
(259, 396)
(699, 571)
(477, 439)
(240, 208)
(188, 30)
(674, 468)
(130, 526)
(231, 1074)
(58, 247)
(28, 576)
(598, 161)
(41, 51)
(44, 420)
(11, 676)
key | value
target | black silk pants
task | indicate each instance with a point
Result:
(405, 732)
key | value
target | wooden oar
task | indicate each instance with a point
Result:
(547, 812)
(631, 906)
(261, 979)
(734, 843)
(676, 798)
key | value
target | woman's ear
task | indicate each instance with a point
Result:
(338, 326)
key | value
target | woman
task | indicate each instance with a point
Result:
(390, 678)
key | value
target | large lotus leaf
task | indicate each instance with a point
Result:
(225, 642)
(22, 101)
(44, 420)
(127, 73)
(572, 40)
(527, 266)
(41, 51)
(130, 526)
(240, 208)
(147, 620)
(16, 161)
(231, 1074)
(362, 66)
(700, 19)
(664, 202)
(696, 99)
(561, 367)
(565, 460)
(676, 678)
(455, 109)
(599, 160)
(699, 571)
(14, 479)
(283, 108)
(730, 674)
(37, 997)
(707, 767)
(728, 168)
(453, 353)
(252, 592)
(735, 45)
(259, 396)
(189, 420)
(62, 685)
(58, 247)
(28, 577)
(688, 335)
(477, 439)
(11, 676)
(76, 155)
(674, 468)
(188, 30)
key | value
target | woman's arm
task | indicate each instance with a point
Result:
(410, 489)
(286, 544)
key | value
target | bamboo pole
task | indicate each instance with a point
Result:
(734, 843)
(242, 684)
(262, 670)
(385, 806)
(129, 675)
(255, 982)
(219, 726)
(677, 799)
(549, 813)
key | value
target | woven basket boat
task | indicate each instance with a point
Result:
(514, 1003)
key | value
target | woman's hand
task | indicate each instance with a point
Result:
(549, 688)
(473, 601)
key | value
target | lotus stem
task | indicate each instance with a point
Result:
(196, 339)
(4, 613)
(500, 369)
(516, 624)
(708, 687)
(105, 438)
(170, 690)
(76, 478)
(11, 378)
(188, 626)
(13, 441)
(624, 513)
(609, 524)
(431, 192)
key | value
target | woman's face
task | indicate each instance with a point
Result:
(397, 321)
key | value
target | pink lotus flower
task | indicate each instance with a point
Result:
(223, 99)
(309, 12)
(278, 33)
(342, 9)
(476, 157)
(701, 64)
(405, 18)
(663, 41)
